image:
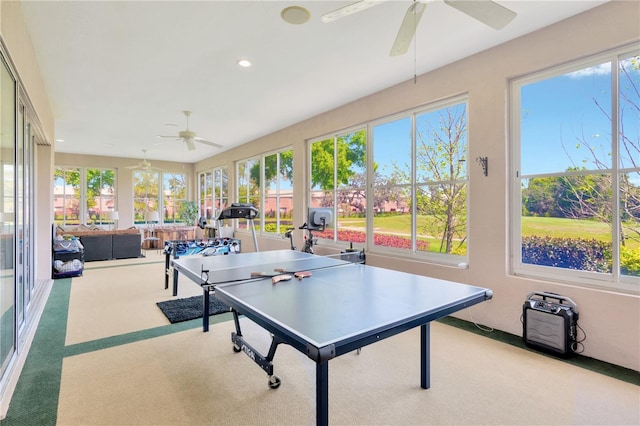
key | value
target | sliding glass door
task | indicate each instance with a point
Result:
(8, 327)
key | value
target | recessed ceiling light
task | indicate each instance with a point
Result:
(245, 63)
(59, 140)
(295, 15)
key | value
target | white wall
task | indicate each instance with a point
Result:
(18, 42)
(611, 320)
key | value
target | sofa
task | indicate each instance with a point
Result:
(101, 244)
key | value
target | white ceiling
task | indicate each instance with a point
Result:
(117, 72)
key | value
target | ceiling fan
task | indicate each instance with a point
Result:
(189, 137)
(144, 164)
(486, 11)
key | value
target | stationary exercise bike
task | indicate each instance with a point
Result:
(309, 240)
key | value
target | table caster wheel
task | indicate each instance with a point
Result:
(236, 348)
(274, 382)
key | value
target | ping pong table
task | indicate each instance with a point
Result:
(340, 307)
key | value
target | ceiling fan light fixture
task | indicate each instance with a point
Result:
(295, 15)
(187, 134)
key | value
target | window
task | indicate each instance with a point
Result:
(66, 196)
(416, 201)
(100, 195)
(248, 187)
(173, 194)
(146, 190)
(213, 192)
(577, 172)
(83, 196)
(221, 190)
(338, 180)
(267, 183)
(161, 192)
(420, 181)
(277, 192)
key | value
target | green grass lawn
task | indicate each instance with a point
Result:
(400, 224)
(566, 228)
(540, 226)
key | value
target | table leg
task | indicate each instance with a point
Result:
(167, 258)
(322, 393)
(425, 356)
(205, 310)
(175, 281)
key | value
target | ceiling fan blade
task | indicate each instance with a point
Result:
(407, 28)
(486, 11)
(172, 137)
(206, 142)
(349, 10)
(190, 145)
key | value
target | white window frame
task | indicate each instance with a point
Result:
(440, 258)
(160, 199)
(612, 281)
(216, 183)
(262, 191)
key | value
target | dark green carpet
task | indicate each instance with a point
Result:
(35, 399)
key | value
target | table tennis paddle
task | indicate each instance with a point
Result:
(302, 274)
(282, 277)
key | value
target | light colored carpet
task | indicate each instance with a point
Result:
(194, 378)
(117, 297)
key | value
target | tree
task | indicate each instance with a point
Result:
(441, 151)
(585, 191)
(591, 196)
(271, 170)
(347, 157)
(540, 197)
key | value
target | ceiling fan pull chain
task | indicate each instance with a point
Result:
(415, 50)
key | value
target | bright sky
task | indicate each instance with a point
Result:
(560, 120)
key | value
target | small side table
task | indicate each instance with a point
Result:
(151, 242)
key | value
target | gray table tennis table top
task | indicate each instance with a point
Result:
(339, 301)
(345, 303)
(238, 267)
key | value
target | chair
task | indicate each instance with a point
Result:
(150, 240)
